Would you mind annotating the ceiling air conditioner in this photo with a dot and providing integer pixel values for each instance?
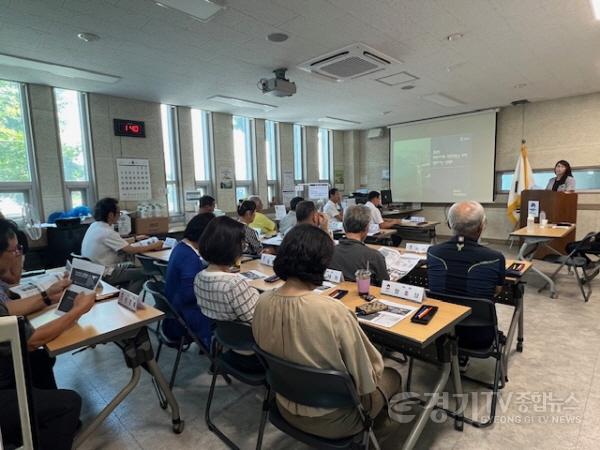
(353, 61)
(375, 133)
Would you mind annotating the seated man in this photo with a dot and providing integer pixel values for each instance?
(289, 220)
(57, 410)
(352, 254)
(206, 204)
(461, 266)
(333, 208)
(103, 245)
(306, 213)
(376, 217)
(261, 222)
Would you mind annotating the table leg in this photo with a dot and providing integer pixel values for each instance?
(91, 427)
(514, 324)
(520, 331)
(152, 367)
(521, 257)
(417, 428)
(458, 391)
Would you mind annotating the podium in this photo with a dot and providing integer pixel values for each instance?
(559, 207)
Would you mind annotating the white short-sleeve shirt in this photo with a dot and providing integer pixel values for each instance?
(375, 213)
(102, 243)
(331, 209)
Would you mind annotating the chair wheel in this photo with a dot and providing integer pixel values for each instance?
(554, 295)
(178, 426)
(164, 405)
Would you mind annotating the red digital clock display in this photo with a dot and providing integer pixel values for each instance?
(131, 128)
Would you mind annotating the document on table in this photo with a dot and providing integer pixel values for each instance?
(399, 264)
(393, 315)
(326, 285)
(276, 241)
(253, 275)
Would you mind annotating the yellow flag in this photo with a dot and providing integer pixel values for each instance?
(522, 179)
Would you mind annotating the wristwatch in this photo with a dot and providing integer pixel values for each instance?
(46, 299)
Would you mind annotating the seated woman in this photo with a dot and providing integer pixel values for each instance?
(247, 213)
(303, 327)
(184, 265)
(222, 295)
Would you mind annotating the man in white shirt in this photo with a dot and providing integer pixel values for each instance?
(376, 218)
(333, 208)
(288, 222)
(103, 245)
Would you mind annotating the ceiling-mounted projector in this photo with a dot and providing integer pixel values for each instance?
(279, 86)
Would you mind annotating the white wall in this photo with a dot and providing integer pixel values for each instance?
(556, 129)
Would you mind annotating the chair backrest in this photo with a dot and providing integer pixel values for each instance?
(161, 267)
(483, 311)
(585, 242)
(157, 290)
(74, 255)
(317, 388)
(234, 335)
(148, 265)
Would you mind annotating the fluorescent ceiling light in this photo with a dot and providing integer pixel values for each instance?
(443, 100)
(596, 8)
(337, 120)
(241, 103)
(202, 10)
(56, 69)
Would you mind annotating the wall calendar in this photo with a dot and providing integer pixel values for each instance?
(134, 179)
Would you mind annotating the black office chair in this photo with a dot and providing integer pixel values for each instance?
(483, 315)
(318, 388)
(151, 272)
(234, 336)
(157, 290)
(162, 268)
(577, 264)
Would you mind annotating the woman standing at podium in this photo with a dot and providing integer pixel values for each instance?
(563, 181)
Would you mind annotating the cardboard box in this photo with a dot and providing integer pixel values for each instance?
(151, 225)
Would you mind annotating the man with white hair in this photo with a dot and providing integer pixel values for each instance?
(462, 266)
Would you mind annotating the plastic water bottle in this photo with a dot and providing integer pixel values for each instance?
(124, 224)
(530, 223)
(543, 221)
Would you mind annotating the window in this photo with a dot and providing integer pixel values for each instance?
(73, 130)
(243, 151)
(272, 158)
(171, 154)
(585, 179)
(299, 153)
(203, 150)
(16, 152)
(324, 155)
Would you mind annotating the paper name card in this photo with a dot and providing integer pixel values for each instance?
(267, 259)
(405, 291)
(129, 300)
(417, 219)
(170, 242)
(334, 276)
(418, 248)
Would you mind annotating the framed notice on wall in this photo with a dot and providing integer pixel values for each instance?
(134, 179)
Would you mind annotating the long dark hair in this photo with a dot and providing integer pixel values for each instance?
(568, 172)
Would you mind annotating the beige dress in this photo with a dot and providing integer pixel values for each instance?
(318, 331)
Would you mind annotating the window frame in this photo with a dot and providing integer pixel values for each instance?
(250, 185)
(302, 147)
(88, 188)
(273, 184)
(30, 189)
(498, 178)
(328, 158)
(175, 150)
(206, 187)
